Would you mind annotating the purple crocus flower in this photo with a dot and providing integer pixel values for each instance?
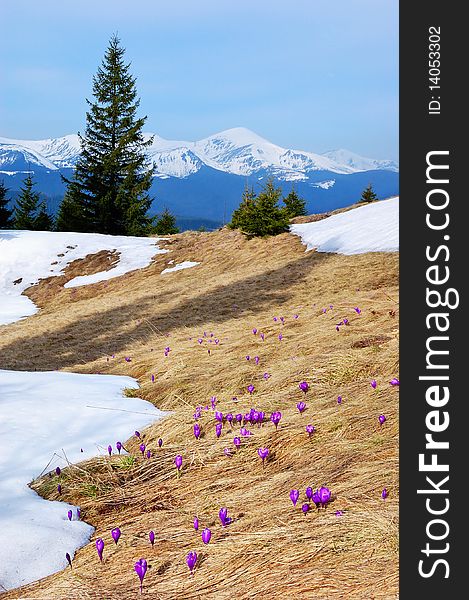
(219, 416)
(229, 418)
(148, 454)
(151, 537)
(384, 494)
(59, 488)
(142, 449)
(128, 359)
(100, 548)
(254, 330)
(260, 418)
(153, 379)
(282, 319)
(244, 432)
(357, 310)
(280, 336)
(196, 523)
(381, 419)
(324, 310)
(324, 495)
(137, 434)
(263, 454)
(160, 442)
(301, 406)
(239, 417)
(141, 568)
(251, 388)
(217, 341)
(339, 399)
(305, 507)
(345, 321)
(339, 513)
(197, 431)
(109, 449)
(296, 316)
(191, 560)
(58, 471)
(262, 336)
(69, 560)
(178, 462)
(294, 495)
(256, 360)
(116, 533)
(248, 357)
(218, 428)
(304, 386)
(316, 498)
(310, 429)
(223, 515)
(275, 319)
(373, 383)
(119, 447)
(337, 328)
(200, 340)
(213, 401)
(309, 492)
(227, 451)
(69, 514)
(275, 418)
(206, 535)
(266, 376)
(394, 381)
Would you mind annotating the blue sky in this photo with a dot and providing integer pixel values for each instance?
(308, 74)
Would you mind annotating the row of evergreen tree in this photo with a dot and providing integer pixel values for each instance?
(30, 213)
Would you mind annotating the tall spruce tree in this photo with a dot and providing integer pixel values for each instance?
(28, 206)
(109, 190)
(294, 205)
(6, 215)
(368, 195)
(166, 224)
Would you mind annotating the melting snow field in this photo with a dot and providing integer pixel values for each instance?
(27, 256)
(370, 228)
(43, 415)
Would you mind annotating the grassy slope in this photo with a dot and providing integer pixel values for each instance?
(271, 550)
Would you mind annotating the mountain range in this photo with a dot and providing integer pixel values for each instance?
(202, 182)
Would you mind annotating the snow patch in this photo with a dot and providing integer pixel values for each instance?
(370, 228)
(27, 256)
(43, 415)
(184, 265)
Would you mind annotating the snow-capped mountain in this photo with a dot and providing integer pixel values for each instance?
(360, 163)
(202, 182)
(238, 151)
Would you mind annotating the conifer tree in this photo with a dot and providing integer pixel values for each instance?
(30, 211)
(368, 195)
(166, 224)
(6, 220)
(294, 205)
(243, 215)
(261, 215)
(109, 190)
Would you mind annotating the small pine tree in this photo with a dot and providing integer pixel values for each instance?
(43, 220)
(294, 205)
(6, 219)
(27, 206)
(165, 224)
(70, 216)
(243, 215)
(368, 195)
(261, 215)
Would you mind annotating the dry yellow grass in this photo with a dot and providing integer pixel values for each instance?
(271, 550)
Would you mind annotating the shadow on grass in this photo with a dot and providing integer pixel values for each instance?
(106, 332)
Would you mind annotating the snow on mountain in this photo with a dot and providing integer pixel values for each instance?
(238, 151)
(360, 163)
(370, 228)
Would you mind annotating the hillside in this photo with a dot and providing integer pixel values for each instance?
(349, 549)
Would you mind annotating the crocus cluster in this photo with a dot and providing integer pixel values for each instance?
(320, 497)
